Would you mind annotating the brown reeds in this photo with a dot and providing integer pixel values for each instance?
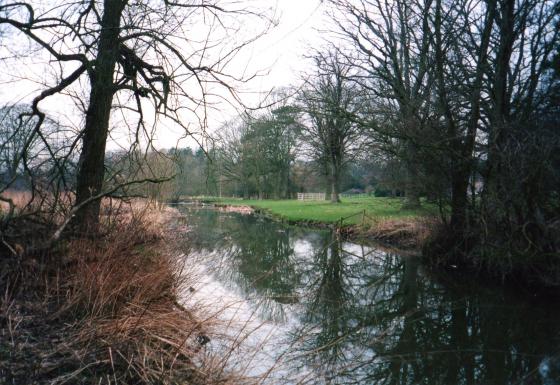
(406, 233)
(104, 311)
(17, 197)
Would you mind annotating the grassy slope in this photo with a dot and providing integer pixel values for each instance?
(326, 212)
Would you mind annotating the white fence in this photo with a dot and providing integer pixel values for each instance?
(311, 196)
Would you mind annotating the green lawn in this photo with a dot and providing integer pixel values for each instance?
(320, 211)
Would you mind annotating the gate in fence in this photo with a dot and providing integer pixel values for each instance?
(311, 196)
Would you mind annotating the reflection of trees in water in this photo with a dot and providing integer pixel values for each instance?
(370, 317)
(327, 302)
(332, 340)
(376, 319)
(259, 261)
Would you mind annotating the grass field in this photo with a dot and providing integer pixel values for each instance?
(350, 210)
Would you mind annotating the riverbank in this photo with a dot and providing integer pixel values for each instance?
(381, 220)
(378, 219)
(104, 310)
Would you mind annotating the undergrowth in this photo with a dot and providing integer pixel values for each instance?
(508, 258)
(102, 311)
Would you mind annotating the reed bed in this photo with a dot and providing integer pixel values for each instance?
(406, 233)
(106, 311)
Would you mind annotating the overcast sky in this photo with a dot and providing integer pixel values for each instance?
(279, 54)
(284, 47)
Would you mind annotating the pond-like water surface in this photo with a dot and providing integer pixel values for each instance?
(324, 311)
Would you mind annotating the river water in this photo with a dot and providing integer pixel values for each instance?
(304, 306)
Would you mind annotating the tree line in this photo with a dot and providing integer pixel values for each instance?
(459, 99)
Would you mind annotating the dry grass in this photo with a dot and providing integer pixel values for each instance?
(41, 200)
(19, 199)
(104, 311)
(407, 233)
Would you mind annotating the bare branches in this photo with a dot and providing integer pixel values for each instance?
(148, 56)
(330, 100)
(450, 84)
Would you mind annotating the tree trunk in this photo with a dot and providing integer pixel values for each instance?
(335, 176)
(412, 193)
(461, 165)
(500, 101)
(334, 192)
(459, 200)
(328, 184)
(259, 189)
(411, 200)
(462, 147)
(91, 167)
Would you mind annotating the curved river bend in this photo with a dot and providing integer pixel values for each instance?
(302, 306)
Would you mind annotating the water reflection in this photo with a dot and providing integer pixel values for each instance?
(364, 316)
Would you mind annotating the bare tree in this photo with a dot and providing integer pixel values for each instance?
(156, 57)
(458, 74)
(489, 66)
(29, 161)
(391, 46)
(330, 100)
(230, 154)
(453, 71)
(467, 88)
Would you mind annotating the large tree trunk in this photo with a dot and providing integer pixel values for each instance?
(412, 193)
(462, 146)
(335, 183)
(461, 169)
(459, 199)
(412, 190)
(327, 180)
(92, 158)
(287, 192)
(335, 195)
(412, 181)
(501, 102)
(260, 194)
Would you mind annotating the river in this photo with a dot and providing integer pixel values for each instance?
(304, 306)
